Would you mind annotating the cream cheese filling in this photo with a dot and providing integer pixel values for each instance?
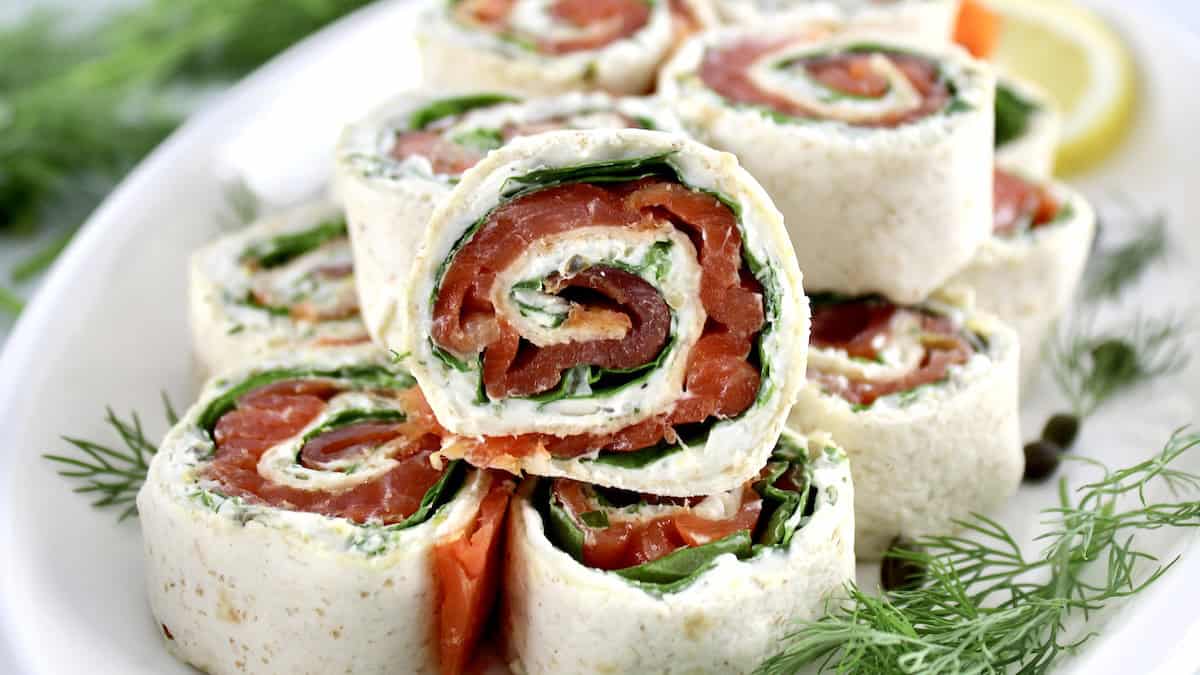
(715, 507)
(544, 318)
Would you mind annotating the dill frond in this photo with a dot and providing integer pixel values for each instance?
(113, 474)
(1093, 365)
(986, 607)
(1111, 271)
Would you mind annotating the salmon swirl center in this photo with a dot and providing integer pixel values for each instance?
(556, 27)
(577, 291)
(857, 84)
(323, 446)
(868, 348)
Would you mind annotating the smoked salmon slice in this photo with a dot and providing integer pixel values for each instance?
(444, 155)
(467, 569)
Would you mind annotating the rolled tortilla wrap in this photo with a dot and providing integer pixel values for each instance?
(743, 567)
(877, 152)
(395, 166)
(924, 400)
(285, 282)
(1028, 124)
(928, 21)
(1028, 271)
(293, 522)
(540, 47)
(620, 307)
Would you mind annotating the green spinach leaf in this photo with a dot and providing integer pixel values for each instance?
(457, 105)
(282, 249)
(1012, 115)
(685, 563)
(366, 377)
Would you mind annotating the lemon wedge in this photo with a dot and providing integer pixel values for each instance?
(1085, 66)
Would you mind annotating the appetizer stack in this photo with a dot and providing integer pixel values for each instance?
(543, 352)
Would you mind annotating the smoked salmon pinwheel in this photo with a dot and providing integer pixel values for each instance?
(283, 283)
(539, 47)
(1028, 271)
(296, 521)
(399, 163)
(705, 584)
(924, 400)
(929, 21)
(878, 152)
(1028, 124)
(619, 307)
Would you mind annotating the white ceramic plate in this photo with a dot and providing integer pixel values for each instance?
(109, 328)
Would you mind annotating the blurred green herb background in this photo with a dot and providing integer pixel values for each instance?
(83, 99)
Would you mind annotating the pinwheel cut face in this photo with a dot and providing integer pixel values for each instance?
(1021, 205)
(315, 445)
(860, 85)
(536, 330)
(355, 442)
(306, 275)
(456, 143)
(313, 287)
(866, 349)
(556, 26)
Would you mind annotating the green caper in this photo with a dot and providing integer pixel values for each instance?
(1117, 359)
(898, 573)
(1041, 460)
(1061, 430)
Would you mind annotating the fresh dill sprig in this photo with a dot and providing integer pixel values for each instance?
(1111, 271)
(80, 104)
(985, 607)
(114, 476)
(1092, 365)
